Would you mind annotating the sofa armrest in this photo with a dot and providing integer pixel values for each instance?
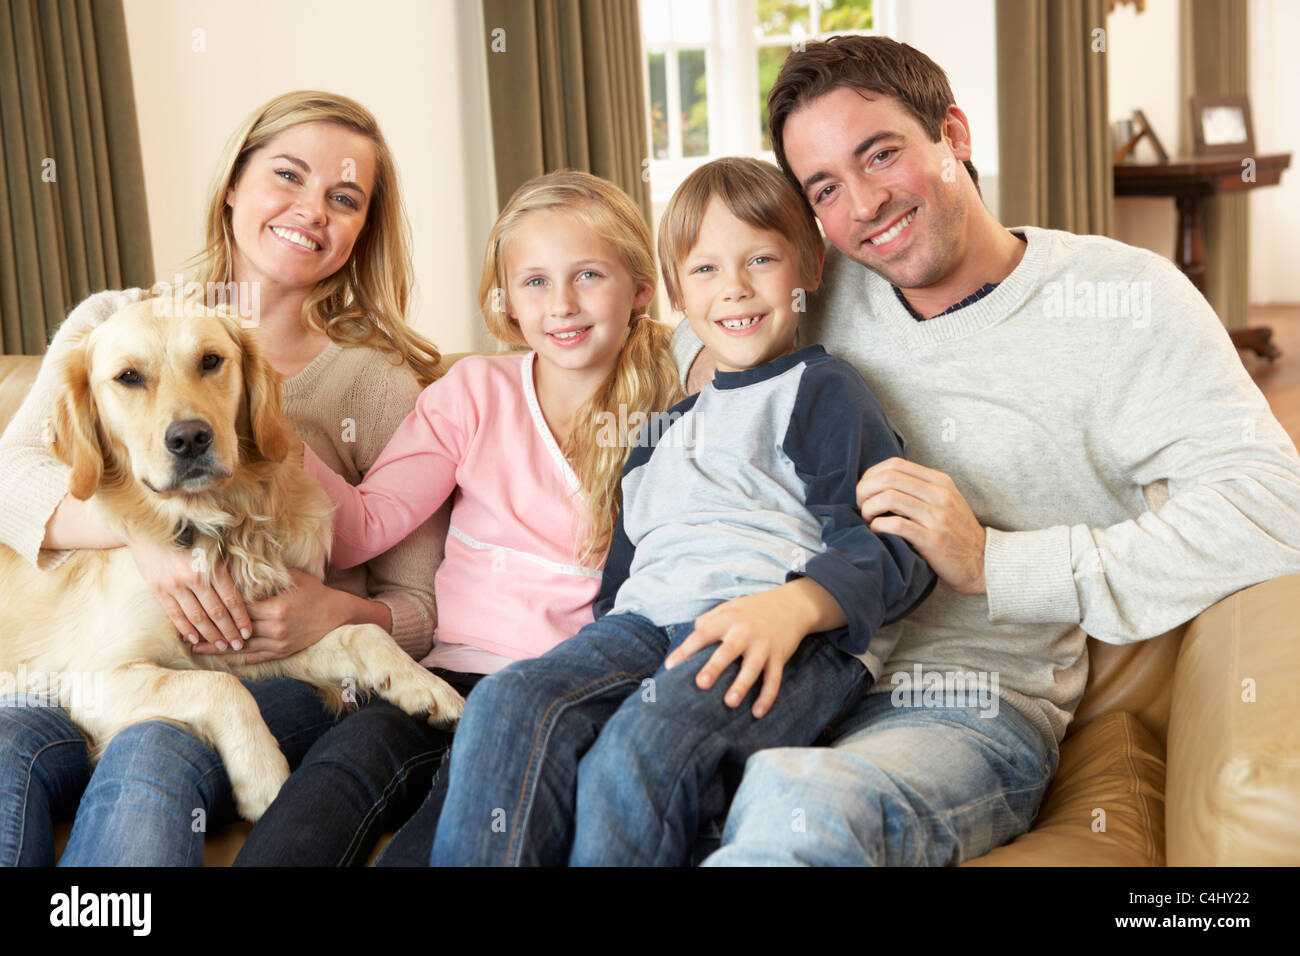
(1233, 786)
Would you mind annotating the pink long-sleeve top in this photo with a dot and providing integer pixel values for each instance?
(510, 583)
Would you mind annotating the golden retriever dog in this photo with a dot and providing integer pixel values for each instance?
(172, 428)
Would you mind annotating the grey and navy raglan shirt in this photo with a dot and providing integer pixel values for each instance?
(752, 483)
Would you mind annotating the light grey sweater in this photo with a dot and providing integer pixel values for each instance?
(1094, 413)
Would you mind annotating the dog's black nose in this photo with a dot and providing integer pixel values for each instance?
(188, 439)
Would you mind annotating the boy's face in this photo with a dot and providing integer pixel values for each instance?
(738, 287)
(886, 195)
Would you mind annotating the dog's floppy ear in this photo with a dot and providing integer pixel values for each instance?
(262, 393)
(75, 441)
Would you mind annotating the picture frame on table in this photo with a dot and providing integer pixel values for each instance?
(1221, 125)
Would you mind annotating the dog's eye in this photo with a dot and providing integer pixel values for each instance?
(211, 361)
(130, 377)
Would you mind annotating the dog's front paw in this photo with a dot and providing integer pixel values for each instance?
(257, 780)
(420, 693)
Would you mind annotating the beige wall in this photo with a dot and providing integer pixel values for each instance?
(1142, 56)
(417, 64)
(1274, 223)
(962, 39)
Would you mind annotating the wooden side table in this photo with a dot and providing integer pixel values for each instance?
(1190, 181)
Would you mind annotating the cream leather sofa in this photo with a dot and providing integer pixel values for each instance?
(1184, 751)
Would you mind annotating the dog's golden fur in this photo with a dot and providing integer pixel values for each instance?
(234, 494)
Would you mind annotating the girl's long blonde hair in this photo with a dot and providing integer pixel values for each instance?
(364, 302)
(643, 380)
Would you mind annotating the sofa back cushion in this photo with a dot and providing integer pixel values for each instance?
(17, 373)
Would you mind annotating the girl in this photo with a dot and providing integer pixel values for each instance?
(305, 209)
(523, 440)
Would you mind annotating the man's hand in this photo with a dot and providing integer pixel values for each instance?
(765, 629)
(930, 514)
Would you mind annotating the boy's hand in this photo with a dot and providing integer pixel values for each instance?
(765, 629)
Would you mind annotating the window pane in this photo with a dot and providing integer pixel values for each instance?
(658, 106)
(695, 102)
(779, 18)
(656, 27)
(770, 59)
(836, 16)
(691, 21)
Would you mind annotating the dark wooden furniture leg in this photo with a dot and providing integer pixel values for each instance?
(1191, 259)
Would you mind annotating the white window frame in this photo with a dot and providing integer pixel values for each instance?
(732, 76)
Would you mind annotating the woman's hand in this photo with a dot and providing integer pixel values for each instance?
(292, 620)
(212, 611)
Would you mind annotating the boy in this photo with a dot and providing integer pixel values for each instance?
(740, 527)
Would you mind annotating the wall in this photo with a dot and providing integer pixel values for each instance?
(962, 38)
(417, 64)
(1142, 55)
(1274, 224)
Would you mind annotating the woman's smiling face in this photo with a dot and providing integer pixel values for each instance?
(299, 205)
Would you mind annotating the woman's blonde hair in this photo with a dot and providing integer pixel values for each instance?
(365, 301)
(643, 380)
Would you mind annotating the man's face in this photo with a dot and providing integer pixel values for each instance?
(886, 195)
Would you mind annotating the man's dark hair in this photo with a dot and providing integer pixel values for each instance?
(873, 63)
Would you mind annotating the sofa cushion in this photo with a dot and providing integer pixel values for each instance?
(17, 373)
(1234, 733)
(1111, 775)
(1133, 678)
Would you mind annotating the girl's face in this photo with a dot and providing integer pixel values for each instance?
(299, 205)
(569, 291)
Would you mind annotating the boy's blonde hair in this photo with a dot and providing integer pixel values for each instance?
(365, 301)
(754, 192)
(643, 380)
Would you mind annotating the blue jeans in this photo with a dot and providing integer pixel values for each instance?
(44, 766)
(412, 844)
(363, 777)
(901, 786)
(596, 754)
(152, 796)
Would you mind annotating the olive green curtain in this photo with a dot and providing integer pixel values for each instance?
(565, 82)
(1053, 134)
(73, 218)
(1215, 56)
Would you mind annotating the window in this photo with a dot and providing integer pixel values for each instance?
(782, 25)
(710, 64)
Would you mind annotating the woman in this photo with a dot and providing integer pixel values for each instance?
(305, 218)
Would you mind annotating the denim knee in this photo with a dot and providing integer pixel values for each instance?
(44, 766)
(377, 743)
(29, 723)
(805, 806)
(167, 760)
(510, 696)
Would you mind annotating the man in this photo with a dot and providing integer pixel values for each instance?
(1087, 457)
